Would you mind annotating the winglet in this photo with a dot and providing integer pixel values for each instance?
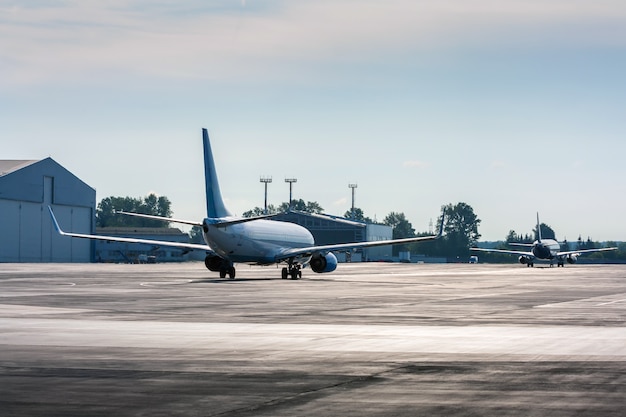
(443, 219)
(55, 223)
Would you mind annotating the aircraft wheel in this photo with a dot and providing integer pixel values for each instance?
(285, 273)
(231, 272)
(296, 274)
(222, 273)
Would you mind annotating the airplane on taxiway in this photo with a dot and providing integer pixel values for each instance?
(255, 240)
(547, 249)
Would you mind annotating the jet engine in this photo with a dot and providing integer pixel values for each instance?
(523, 260)
(213, 263)
(323, 263)
(571, 259)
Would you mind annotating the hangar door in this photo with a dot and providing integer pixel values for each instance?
(28, 235)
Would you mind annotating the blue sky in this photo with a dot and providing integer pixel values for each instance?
(512, 107)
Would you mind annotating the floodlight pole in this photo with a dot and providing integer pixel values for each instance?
(265, 180)
(290, 181)
(353, 187)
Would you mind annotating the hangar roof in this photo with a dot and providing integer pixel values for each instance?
(8, 166)
(23, 180)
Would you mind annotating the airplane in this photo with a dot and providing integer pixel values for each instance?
(548, 249)
(253, 240)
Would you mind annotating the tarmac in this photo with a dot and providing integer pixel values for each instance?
(371, 339)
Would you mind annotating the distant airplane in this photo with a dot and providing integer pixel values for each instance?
(255, 240)
(548, 249)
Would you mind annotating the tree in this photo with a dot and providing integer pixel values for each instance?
(296, 205)
(358, 215)
(546, 232)
(151, 204)
(513, 237)
(401, 228)
(301, 205)
(258, 211)
(461, 230)
(195, 235)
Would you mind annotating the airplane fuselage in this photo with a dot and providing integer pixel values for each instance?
(256, 242)
(546, 249)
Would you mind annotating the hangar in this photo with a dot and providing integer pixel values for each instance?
(327, 230)
(27, 187)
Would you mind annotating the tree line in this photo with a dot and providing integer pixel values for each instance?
(460, 227)
(151, 204)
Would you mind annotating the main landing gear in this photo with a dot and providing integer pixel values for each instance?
(230, 271)
(293, 271)
(217, 264)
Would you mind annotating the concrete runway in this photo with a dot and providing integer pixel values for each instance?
(365, 340)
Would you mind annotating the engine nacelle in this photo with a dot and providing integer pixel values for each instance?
(571, 259)
(327, 263)
(213, 263)
(523, 260)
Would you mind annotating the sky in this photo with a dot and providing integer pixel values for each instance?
(513, 107)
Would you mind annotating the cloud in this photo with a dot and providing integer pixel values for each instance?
(498, 164)
(416, 164)
(76, 40)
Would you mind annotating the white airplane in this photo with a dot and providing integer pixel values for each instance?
(548, 249)
(255, 241)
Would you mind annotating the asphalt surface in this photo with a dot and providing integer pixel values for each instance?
(365, 340)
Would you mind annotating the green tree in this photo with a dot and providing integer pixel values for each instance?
(296, 205)
(195, 235)
(546, 232)
(402, 228)
(301, 205)
(358, 215)
(258, 211)
(151, 204)
(460, 229)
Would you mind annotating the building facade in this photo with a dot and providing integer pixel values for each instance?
(327, 230)
(27, 188)
(123, 252)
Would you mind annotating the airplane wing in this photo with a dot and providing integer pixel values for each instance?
(510, 252)
(165, 219)
(289, 253)
(128, 239)
(218, 223)
(578, 252)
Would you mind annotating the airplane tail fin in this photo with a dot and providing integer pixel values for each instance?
(215, 207)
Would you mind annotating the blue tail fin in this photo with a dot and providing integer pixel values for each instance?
(214, 204)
